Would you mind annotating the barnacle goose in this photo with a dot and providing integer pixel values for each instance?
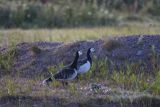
(84, 65)
(67, 73)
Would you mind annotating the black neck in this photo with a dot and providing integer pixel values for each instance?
(89, 57)
(74, 63)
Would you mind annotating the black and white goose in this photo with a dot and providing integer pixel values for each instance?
(67, 73)
(85, 65)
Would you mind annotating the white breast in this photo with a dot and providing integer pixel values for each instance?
(84, 68)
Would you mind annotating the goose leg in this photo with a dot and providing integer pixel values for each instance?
(64, 83)
(77, 77)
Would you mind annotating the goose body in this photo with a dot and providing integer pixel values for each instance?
(83, 68)
(85, 65)
(67, 73)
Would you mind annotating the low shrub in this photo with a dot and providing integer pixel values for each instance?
(6, 60)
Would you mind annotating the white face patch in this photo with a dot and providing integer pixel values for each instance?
(92, 49)
(80, 53)
(84, 68)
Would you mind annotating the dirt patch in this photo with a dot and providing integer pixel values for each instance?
(33, 59)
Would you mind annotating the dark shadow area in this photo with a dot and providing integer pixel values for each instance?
(27, 101)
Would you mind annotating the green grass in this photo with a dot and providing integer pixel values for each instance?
(118, 81)
(121, 87)
(7, 58)
(156, 85)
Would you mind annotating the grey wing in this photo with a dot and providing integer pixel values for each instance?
(64, 74)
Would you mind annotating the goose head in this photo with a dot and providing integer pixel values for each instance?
(91, 50)
(79, 53)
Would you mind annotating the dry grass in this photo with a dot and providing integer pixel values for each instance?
(14, 36)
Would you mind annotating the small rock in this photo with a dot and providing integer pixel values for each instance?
(95, 87)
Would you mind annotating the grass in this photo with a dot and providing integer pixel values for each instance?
(121, 87)
(118, 81)
(132, 79)
(15, 36)
(113, 86)
(156, 85)
(6, 59)
(129, 80)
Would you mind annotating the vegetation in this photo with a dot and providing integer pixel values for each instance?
(6, 60)
(14, 36)
(75, 13)
(126, 80)
(93, 19)
(111, 44)
(98, 82)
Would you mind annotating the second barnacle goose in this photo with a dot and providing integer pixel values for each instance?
(85, 65)
(67, 73)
